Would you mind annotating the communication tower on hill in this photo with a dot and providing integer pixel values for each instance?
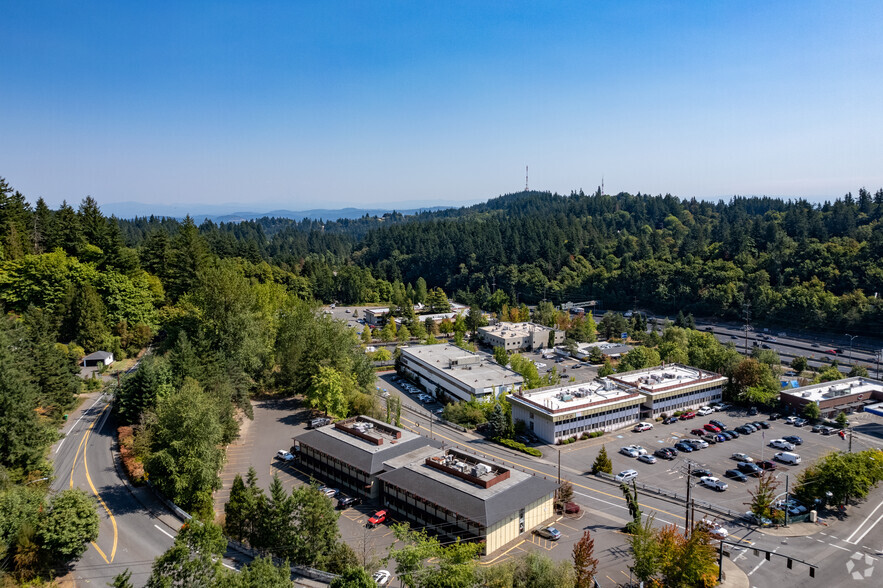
(525, 178)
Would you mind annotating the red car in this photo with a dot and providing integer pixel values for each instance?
(688, 415)
(712, 428)
(832, 352)
(699, 432)
(379, 517)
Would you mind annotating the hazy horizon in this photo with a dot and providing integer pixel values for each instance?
(297, 106)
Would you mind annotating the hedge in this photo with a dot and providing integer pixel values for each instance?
(519, 447)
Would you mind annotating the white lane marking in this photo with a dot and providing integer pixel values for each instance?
(838, 547)
(78, 420)
(761, 562)
(862, 536)
(163, 531)
(868, 518)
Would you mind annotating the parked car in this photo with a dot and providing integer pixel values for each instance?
(700, 432)
(817, 428)
(284, 455)
(718, 437)
(688, 415)
(752, 411)
(714, 483)
(348, 501)
(790, 420)
(781, 444)
(670, 420)
(762, 424)
(775, 416)
(736, 475)
(711, 428)
(735, 434)
(647, 459)
(742, 457)
(664, 453)
(550, 533)
(673, 450)
(767, 465)
(626, 476)
(728, 435)
(639, 449)
(787, 458)
(697, 443)
(756, 520)
(319, 422)
(750, 469)
(329, 492)
(378, 518)
(793, 439)
(571, 508)
(705, 410)
(701, 472)
(800, 422)
(684, 447)
(722, 407)
(718, 424)
(629, 452)
(709, 438)
(381, 577)
(643, 427)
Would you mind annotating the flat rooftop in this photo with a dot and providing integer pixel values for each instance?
(473, 370)
(830, 390)
(513, 330)
(452, 491)
(665, 378)
(577, 397)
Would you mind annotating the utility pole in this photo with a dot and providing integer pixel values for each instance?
(559, 467)
(687, 514)
(747, 309)
(850, 440)
(786, 499)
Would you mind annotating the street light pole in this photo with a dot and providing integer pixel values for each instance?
(851, 339)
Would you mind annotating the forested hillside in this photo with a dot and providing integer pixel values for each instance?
(788, 261)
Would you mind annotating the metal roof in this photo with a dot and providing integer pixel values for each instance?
(357, 453)
(99, 355)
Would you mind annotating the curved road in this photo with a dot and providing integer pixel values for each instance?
(130, 534)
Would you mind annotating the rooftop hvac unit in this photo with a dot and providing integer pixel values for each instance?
(482, 469)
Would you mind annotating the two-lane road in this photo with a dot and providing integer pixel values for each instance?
(129, 536)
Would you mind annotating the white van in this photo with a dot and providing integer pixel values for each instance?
(787, 457)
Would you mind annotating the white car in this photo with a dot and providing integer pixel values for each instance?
(781, 444)
(540, 364)
(713, 482)
(697, 443)
(381, 577)
(716, 530)
(704, 411)
(329, 492)
(629, 451)
(626, 476)
(639, 449)
(790, 420)
(284, 455)
(643, 427)
(743, 457)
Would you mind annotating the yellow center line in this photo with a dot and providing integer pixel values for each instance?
(92, 486)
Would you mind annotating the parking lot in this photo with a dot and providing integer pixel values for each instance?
(672, 474)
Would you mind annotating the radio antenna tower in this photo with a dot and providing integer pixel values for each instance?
(525, 178)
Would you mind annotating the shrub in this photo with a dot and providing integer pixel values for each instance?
(511, 443)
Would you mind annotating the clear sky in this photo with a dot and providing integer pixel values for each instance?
(320, 104)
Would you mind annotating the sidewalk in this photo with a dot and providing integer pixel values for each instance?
(792, 530)
(734, 577)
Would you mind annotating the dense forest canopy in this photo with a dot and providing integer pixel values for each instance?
(787, 261)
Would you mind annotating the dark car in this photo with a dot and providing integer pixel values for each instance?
(685, 447)
(348, 501)
(735, 434)
(775, 416)
(664, 453)
(718, 424)
(751, 427)
(750, 469)
(793, 439)
(670, 420)
(701, 472)
(743, 430)
(752, 411)
(767, 465)
(673, 450)
(736, 475)
(719, 438)
(699, 432)
(761, 424)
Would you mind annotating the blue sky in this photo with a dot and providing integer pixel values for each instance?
(324, 104)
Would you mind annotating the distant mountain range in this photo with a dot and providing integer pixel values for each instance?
(233, 213)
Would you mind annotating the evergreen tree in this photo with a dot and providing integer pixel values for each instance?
(90, 319)
(602, 462)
